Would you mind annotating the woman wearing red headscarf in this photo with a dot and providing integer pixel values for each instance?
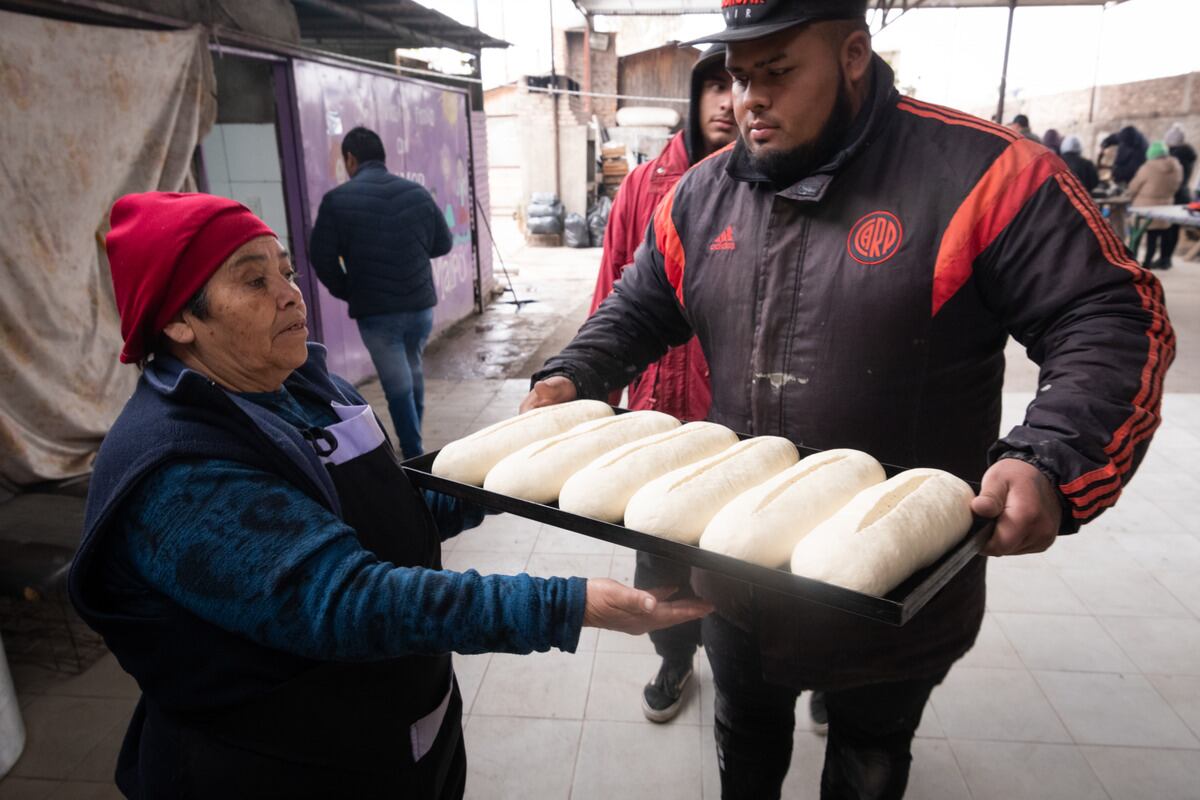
(256, 559)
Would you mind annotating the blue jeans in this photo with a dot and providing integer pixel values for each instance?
(396, 342)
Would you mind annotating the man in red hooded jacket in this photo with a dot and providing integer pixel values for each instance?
(678, 383)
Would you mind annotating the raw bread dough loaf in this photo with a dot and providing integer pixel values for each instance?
(602, 489)
(764, 524)
(537, 472)
(887, 532)
(679, 504)
(468, 460)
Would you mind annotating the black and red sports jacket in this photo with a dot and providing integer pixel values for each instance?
(868, 306)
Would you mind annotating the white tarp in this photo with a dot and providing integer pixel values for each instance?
(87, 114)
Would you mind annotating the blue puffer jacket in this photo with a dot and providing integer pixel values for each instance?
(385, 229)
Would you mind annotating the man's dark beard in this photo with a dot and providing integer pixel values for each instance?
(789, 166)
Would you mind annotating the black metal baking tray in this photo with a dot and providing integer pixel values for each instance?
(897, 608)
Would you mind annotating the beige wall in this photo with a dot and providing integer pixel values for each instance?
(505, 153)
(522, 151)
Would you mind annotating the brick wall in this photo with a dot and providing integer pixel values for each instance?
(1152, 106)
(537, 153)
(604, 80)
(533, 113)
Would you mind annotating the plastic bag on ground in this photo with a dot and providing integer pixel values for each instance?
(575, 231)
(544, 225)
(597, 220)
(544, 210)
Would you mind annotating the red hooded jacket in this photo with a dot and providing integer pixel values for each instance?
(677, 384)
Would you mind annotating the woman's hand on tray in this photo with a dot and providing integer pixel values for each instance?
(555, 389)
(1024, 504)
(621, 608)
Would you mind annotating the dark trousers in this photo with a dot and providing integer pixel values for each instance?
(1164, 238)
(869, 747)
(163, 759)
(1170, 241)
(680, 642)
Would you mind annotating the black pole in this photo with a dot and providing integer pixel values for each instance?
(554, 83)
(1012, 8)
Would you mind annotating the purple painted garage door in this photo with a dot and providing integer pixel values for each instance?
(427, 136)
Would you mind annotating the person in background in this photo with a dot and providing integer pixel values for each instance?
(1084, 169)
(371, 246)
(1156, 184)
(1052, 140)
(255, 557)
(1182, 152)
(1106, 157)
(1131, 153)
(1020, 124)
(677, 384)
(886, 249)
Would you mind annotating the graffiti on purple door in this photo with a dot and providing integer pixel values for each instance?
(426, 134)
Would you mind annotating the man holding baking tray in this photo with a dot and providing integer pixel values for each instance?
(880, 252)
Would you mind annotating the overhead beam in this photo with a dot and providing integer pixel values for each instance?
(885, 7)
(422, 31)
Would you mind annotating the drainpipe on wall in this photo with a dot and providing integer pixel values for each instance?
(554, 83)
(475, 103)
(587, 63)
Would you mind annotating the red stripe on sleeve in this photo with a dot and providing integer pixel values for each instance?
(1094, 491)
(952, 117)
(667, 240)
(1003, 190)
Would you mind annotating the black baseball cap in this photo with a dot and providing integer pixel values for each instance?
(754, 19)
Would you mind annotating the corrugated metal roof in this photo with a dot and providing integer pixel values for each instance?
(349, 25)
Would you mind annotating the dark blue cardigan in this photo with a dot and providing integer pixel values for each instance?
(187, 662)
(385, 229)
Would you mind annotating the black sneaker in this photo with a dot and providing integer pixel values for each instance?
(663, 697)
(818, 714)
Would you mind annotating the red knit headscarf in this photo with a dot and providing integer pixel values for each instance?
(163, 247)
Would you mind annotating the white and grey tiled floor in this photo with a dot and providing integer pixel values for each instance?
(1085, 682)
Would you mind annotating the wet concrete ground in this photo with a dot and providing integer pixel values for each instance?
(551, 290)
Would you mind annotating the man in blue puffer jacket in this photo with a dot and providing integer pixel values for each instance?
(371, 246)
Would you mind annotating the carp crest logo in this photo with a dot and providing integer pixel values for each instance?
(875, 238)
